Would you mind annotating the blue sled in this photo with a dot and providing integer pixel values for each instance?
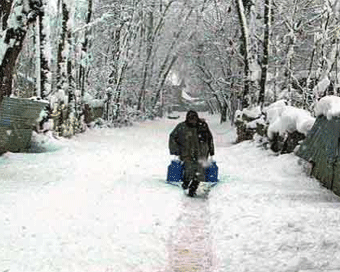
(176, 170)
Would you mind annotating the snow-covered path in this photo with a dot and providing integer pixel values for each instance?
(100, 204)
(190, 241)
(269, 216)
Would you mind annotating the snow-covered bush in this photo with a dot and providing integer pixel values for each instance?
(274, 110)
(321, 87)
(291, 119)
(287, 126)
(93, 102)
(328, 106)
(44, 143)
(248, 121)
(278, 124)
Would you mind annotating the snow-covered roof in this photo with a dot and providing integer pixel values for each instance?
(187, 97)
(92, 102)
(328, 106)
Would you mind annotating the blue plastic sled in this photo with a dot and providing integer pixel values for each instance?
(176, 170)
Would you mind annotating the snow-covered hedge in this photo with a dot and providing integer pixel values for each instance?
(329, 106)
(287, 126)
(281, 125)
(248, 122)
(285, 119)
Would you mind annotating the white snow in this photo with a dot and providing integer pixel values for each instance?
(328, 106)
(98, 202)
(291, 119)
(283, 119)
(254, 112)
(173, 78)
(253, 124)
(274, 110)
(187, 97)
(88, 99)
(321, 87)
(255, 71)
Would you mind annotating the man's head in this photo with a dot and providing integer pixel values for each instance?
(191, 118)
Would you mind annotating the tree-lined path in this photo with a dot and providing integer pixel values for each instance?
(100, 203)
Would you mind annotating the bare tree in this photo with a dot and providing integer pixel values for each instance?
(246, 53)
(12, 37)
(152, 33)
(265, 58)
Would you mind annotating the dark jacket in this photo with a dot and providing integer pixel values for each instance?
(191, 142)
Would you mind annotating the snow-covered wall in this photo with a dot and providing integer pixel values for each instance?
(279, 117)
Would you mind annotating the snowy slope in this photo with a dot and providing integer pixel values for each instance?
(99, 203)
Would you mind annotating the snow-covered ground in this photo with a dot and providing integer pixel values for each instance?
(99, 202)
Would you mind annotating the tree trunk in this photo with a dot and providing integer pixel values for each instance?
(224, 113)
(264, 68)
(15, 30)
(45, 69)
(307, 91)
(5, 10)
(61, 65)
(38, 62)
(337, 89)
(82, 69)
(245, 37)
(149, 47)
(70, 79)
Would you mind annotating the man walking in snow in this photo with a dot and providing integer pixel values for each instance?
(192, 142)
